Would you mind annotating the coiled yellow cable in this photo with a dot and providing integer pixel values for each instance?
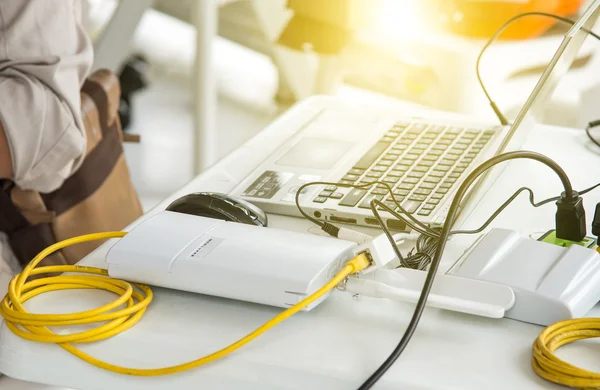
(548, 366)
(136, 298)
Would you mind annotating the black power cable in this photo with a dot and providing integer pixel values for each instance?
(445, 233)
(431, 232)
(589, 189)
(410, 220)
(494, 37)
(429, 239)
(420, 259)
(505, 205)
(509, 201)
(588, 129)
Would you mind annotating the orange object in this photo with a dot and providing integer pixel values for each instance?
(477, 18)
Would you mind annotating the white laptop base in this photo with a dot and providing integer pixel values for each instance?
(340, 142)
(422, 159)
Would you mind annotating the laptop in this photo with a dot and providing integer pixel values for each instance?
(423, 158)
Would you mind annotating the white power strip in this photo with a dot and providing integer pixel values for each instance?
(551, 283)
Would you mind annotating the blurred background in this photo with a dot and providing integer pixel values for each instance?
(200, 77)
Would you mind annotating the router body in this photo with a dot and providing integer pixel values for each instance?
(227, 259)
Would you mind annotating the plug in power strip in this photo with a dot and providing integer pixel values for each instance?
(550, 238)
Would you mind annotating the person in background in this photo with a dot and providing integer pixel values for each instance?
(45, 56)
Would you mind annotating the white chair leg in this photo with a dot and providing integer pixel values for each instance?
(205, 89)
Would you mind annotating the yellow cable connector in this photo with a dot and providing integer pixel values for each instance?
(135, 296)
(548, 366)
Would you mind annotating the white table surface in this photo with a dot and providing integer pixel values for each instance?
(341, 342)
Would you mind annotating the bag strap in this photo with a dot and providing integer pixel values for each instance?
(11, 219)
(25, 239)
(97, 165)
(95, 91)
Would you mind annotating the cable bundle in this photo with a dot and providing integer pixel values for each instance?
(548, 366)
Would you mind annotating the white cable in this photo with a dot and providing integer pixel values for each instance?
(353, 235)
(401, 237)
(361, 238)
(376, 289)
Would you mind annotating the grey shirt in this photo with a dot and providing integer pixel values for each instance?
(45, 55)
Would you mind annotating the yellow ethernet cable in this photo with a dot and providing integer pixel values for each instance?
(548, 366)
(135, 296)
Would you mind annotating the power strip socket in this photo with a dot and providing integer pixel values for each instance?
(550, 238)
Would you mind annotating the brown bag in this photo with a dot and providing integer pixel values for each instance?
(98, 197)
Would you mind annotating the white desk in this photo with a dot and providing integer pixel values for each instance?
(342, 341)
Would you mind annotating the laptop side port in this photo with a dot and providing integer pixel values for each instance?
(333, 218)
(395, 224)
(371, 221)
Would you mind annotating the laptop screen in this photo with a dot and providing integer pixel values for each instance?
(558, 66)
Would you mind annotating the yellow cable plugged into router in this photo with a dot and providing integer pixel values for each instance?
(135, 296)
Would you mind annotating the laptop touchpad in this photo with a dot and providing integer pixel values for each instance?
(315, 153)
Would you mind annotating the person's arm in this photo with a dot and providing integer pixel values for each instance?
(45, 56)
(5, 161)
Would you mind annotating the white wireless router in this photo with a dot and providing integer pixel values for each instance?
(278, 267)
(227, 259)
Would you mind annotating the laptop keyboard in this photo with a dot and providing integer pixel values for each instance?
(421, 162)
